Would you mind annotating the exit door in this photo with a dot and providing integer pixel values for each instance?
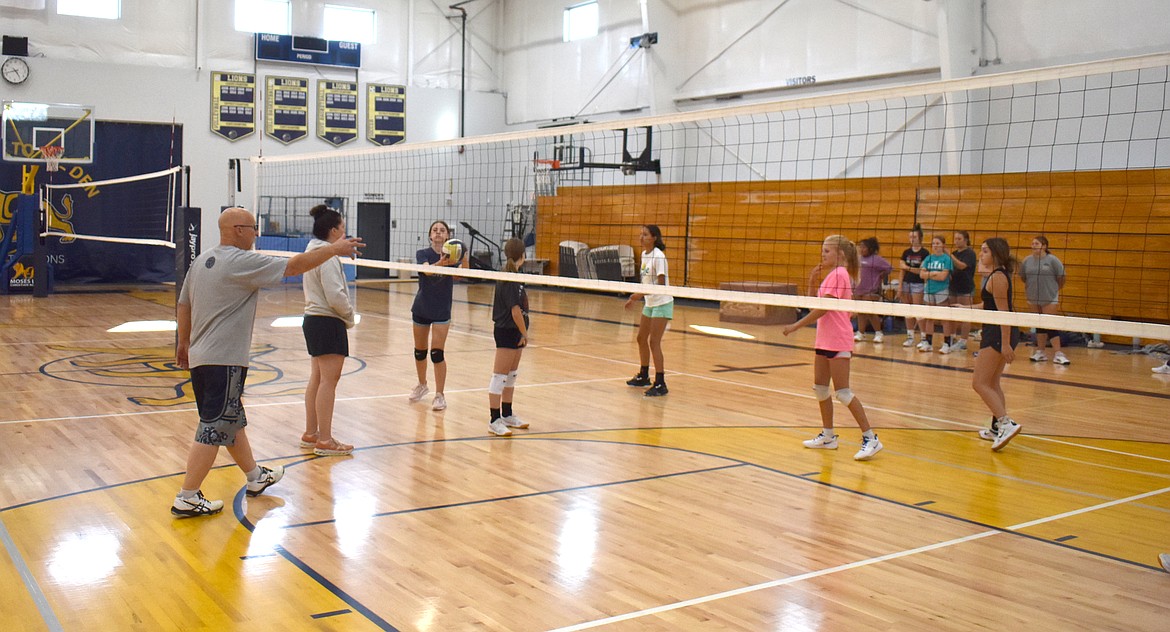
(373, 226)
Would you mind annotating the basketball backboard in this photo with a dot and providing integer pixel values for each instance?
(30, 126)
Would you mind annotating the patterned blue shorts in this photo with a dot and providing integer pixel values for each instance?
(218, 390)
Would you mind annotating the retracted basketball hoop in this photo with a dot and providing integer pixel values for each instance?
(52, 155)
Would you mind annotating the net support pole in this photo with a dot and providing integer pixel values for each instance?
(42, 269)
(188, 225)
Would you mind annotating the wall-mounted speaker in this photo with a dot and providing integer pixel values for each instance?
(15, 46)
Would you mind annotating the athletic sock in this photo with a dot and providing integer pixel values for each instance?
(507, 409)
(869, 434)
(660, 378)
(254, 475)
(644, 371)
(187, 494)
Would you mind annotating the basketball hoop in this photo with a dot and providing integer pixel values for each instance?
(52, 156)
(550, 164)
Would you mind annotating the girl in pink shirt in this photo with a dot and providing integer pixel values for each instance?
(834, 345)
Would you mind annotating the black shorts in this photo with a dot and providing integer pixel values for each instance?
(507, 338)
(325, 335)
(833, 354)
(993, 338)
(218, 390)
(423, 321)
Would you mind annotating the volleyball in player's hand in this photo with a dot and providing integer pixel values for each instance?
(453, 248)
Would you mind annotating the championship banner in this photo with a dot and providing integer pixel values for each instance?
(286, 108)
(233, 104)
(385, 114)
(337, 111)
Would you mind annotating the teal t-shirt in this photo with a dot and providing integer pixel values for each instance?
(934, 263)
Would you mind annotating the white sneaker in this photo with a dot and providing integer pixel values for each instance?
(991, 432)
(1164, 369)
(1038, 356)
(878, 337)
(869, 447)
(440, 402)
(1060, 358)
(1007, 430)
(977, 334)
(1095, 344)
(195, 506)
(499, 429)
(268, 478)
(925, 347)
(821, 442)
(961, 345)
(512, 421)
(418, 392)
(945, 348)
(1164, 560)
(909, 341)
(858, 336)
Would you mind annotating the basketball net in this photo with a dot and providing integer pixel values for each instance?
(52, 156)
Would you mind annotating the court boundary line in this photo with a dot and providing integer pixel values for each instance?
(30, 582)
(1014, 530)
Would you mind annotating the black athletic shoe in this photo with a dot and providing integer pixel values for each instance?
(658, 390)
(639, 380)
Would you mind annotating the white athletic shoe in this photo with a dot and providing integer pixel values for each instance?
(197, 505)
(858, 336)
(1164, 369)
(1164, 560)
(1007, 430)
(440, 402)
(869, 447)
(1038, 356)
(499, 429)
(1095, 344)
(945, 348)
(821, 442)
(268, 478)
(418, 392)
(961, 345)
(878, 337)
(512, 421)
(909, 341)
(925, 347)
(1060, 358)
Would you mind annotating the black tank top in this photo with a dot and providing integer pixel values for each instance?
(989, 298)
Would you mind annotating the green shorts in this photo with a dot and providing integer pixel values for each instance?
(659, 311)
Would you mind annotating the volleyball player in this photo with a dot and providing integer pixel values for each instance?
(510, 314)
(328, 314)
(964, 259)
(656, 315)
(911, 286)
(431, 314)
(1043, 277)
(834, 346)
(997, 346)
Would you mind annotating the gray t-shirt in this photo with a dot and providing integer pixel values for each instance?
(222, 287)
(1042, 279)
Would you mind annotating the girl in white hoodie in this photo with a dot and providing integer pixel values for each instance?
(328, 314)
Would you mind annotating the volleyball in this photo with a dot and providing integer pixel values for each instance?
(453, 248)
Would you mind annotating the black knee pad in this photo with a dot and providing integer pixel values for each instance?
(420, 354)
(436, 355)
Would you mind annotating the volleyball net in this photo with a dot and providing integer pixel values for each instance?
(745, 195)
(137, 210)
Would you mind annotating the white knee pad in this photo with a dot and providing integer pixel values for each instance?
(845, 396)
(496, 386)
(510, 382)
(823, 392)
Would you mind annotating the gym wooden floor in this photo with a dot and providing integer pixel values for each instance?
(699, 510)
